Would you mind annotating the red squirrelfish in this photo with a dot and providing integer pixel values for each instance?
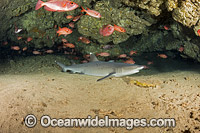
(122, 56)
(198, 32)
(166, 27)
(181, 49)
(132, 52)
(24, 49)
(15, 48)
(5, 43)
(92, 13)
(76, 18)
(162, 56)
(29, 39)
(19, 38)
(71, 24)
(84, 61)
(118, 28)
(36, 52)
(64, 40)
(84, 40)
(69, 45)
(49, 51)
(69, 17)
(106, 30)
(130, 61)
(149, 62)
(64, 31)
(56, 5)
(104, 54)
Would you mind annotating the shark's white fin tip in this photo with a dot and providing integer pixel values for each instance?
(93, 57)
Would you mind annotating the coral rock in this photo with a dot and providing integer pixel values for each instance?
(188, 13)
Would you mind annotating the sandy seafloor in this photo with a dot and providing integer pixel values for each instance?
(35, 85)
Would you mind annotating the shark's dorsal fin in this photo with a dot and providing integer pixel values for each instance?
(93, 57)
(106, 76)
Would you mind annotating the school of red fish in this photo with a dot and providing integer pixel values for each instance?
(67, 5)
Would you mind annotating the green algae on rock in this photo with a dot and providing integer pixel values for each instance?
(191, 50)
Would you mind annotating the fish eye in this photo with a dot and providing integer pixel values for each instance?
(71, 2)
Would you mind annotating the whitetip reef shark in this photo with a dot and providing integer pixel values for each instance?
(102, 68)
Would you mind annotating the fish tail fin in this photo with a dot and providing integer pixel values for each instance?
(64, 68)
(115, 27)
(39, 4)
(83, 10)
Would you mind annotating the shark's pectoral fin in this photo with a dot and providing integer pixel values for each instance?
(106, 76)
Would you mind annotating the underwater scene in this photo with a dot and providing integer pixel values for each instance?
(99, 66)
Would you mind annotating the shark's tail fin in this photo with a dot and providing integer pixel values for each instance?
(64, 68)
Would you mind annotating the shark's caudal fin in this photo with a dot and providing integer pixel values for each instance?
(106, 76)
(64, 68)
(93, 57)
